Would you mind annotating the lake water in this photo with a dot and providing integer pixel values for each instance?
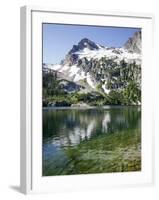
(96, 140)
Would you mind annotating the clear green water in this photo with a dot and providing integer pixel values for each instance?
(97, 140)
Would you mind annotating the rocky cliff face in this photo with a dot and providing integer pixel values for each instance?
(134, 43)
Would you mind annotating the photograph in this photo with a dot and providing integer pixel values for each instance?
(91, 99)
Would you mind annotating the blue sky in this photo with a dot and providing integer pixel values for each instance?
(58, 39)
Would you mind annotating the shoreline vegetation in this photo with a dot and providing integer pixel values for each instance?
(89, 100)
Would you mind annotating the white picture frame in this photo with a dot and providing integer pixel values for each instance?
(31, 102)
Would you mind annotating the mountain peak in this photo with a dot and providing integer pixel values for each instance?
(87, 43)
(84, 43)
(85, 40)
(71, 57)
(133, 44)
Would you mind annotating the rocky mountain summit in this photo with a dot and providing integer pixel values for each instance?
(134, 43)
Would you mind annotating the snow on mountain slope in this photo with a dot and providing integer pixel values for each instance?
(112, 53)
(75, 73)
(54, 67)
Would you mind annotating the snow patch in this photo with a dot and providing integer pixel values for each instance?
(89, 81)
(73, 70)
(105, 89)
(79, 76)
(54, 67)
(64, 68)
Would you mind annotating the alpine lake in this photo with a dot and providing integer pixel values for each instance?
(91, 140)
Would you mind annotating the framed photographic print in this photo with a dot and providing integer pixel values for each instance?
(86, 100)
